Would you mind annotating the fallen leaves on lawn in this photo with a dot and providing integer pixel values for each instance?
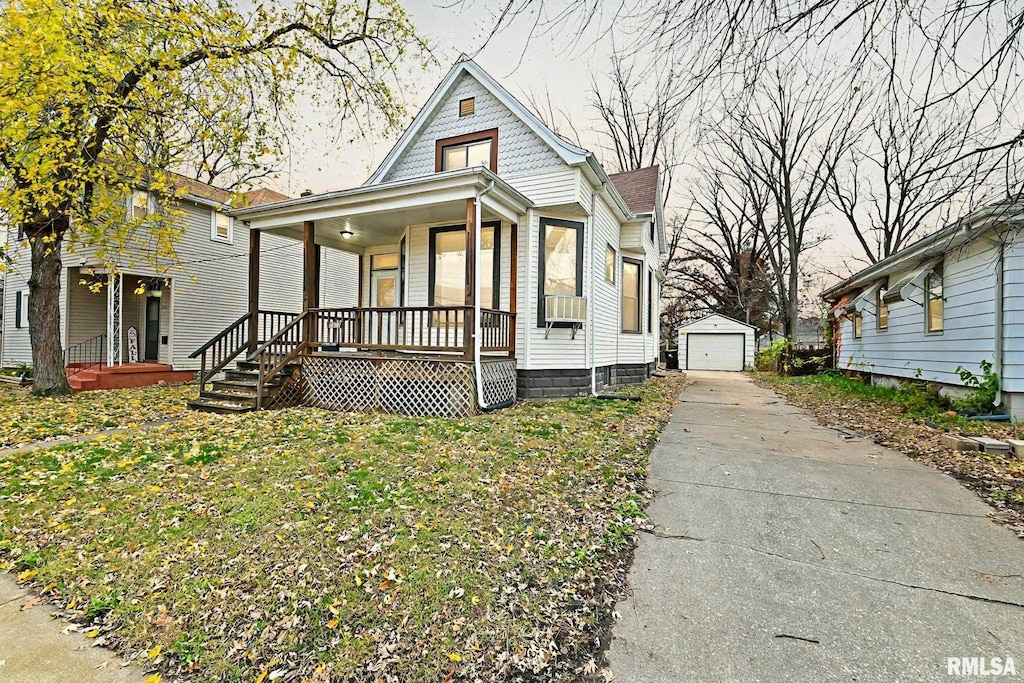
(25, 418)
(306, 544)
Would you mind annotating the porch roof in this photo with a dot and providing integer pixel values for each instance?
(378, 214)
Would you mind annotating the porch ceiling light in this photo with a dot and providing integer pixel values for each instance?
(346, 234)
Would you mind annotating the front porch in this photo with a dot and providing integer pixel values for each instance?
(433, 331)
(131, 309)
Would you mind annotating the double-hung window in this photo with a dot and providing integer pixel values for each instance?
(138, 207)
(221, 227)
(933, 300)
(650, 301)
(610, 261)
(858, 325)
(561, 262)
(881, 310)
(631, 284)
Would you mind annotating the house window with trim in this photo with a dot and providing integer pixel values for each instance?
(933, 300)
(858, 325)
(882, 310)
(631, 295)
(466, 151)
(139, 205)
(561, 262)
(650, 301)
(21, 310)
(447, 270)
(222, 228)
(610, 259)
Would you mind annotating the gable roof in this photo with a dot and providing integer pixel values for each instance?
(951, 237)
(638, 188)
(568, 152)
(262, 196)
(716, 315)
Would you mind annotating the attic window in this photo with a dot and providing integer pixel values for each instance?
(466, 151)
(467, 106)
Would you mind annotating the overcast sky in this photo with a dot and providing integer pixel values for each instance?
(532, 67)
(522, 64)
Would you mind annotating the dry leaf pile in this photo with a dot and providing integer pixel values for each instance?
(838, 401)
(25, 418)
(310, 545)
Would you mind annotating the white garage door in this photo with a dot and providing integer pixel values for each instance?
(714, 351)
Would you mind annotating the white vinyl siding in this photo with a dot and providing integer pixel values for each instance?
(906, 350)
(520, 150)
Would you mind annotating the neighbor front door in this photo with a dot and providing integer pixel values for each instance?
(152, 328)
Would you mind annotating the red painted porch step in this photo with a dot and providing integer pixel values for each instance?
(130, 375)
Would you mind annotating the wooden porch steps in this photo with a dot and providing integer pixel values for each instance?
(238, 390)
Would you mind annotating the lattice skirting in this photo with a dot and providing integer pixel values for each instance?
(499, 381)
(403, 386)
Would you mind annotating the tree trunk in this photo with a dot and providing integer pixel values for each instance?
(49, 377)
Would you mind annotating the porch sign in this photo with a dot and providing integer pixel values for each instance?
(133, 345)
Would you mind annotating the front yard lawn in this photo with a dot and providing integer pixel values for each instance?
(309, 545)
(898, 418)
(25, 418)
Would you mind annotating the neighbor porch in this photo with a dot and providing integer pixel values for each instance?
(118, 331)
(433, 328)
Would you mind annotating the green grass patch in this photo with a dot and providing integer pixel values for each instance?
(331, 546)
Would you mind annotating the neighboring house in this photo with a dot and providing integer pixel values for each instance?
(953, 299)
(496, 260)
(157, 316)
(716, 342)
(810, 334)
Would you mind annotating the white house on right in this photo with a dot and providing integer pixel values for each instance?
(952, 299)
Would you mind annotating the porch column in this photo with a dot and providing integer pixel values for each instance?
(513, 288)
(471, 293)
(115, 296)
(310, 281)
(254, 289)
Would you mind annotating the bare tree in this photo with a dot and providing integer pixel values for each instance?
(908, 173)
(786, 139)
(642, 109)
(721, 262)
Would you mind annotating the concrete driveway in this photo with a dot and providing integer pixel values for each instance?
(786, 551)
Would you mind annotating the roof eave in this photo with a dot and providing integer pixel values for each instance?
(478, 175)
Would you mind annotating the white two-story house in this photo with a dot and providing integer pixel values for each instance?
(495, 260)
(157, 311)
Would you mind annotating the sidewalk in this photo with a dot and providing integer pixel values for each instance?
(33, 648)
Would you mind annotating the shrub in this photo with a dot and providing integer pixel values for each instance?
(981, 398)
(768, 358)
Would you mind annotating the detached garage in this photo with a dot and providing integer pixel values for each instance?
(716, 343)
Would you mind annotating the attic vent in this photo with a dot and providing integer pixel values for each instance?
(467, 106)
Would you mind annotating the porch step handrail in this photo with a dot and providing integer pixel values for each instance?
(237, 337)
(85, 355)
(274, 355)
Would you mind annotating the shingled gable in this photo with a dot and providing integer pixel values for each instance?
(568, 152)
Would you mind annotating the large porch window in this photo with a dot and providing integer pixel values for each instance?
(447, 273)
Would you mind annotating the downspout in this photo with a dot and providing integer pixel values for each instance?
(999, 322)
(591, 319)
(477, 366)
